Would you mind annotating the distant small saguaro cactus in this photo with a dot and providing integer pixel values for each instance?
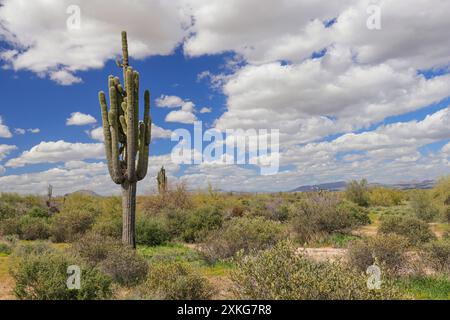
(127, 139)
(162, 181)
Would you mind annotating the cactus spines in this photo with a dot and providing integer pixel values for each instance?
(162, 181)
(126, 138)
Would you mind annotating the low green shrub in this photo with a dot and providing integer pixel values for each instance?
(385, 197)
(280, 273)
(388, 251)
(245, 234)
(415, 230)
(121, 263)
(175, 281)
(437, 254)
(34, 228)
(200, 222)
(358, 192)
(69, 225)
(109, 222)
(10, 226)
(325, 213)
(43, 276)
(422, 205)
(5, 248)
(151, 231)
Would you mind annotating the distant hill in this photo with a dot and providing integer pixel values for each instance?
(84, 193)
(340, 185)
(331, 186)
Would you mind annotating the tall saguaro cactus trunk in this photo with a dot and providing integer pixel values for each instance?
(127, 139)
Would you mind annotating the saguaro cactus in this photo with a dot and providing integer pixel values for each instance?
(126, 139)
(162, 181)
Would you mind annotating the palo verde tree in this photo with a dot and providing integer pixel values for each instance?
(127, 139)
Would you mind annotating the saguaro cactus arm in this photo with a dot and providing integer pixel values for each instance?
(145, 131)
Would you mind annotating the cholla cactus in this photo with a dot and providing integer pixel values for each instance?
(126, 139)
(162, 181)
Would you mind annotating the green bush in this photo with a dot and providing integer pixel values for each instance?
(34, 228)
(388, 251)
(10, 226)
(175, 281)
(415, 230)
(200, 222)
(38, 212)
(5, 248)
(280, 273)
(121, 263)
(245, 234)
(8, 211)
(176, 222)
(422, 205)
(109, 222)
(93, 248)
(358, 192)
(44, 276)
(151, 231)
(325, 213)
(26, 227)
(385, 197)
(125, 266)
(437, 254)
(71, 224)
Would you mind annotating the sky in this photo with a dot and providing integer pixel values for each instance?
(356, 88)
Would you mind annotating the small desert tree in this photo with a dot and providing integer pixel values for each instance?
(126, 139)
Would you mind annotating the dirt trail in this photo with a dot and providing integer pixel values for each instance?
(324, 254)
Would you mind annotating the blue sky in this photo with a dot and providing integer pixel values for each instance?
(349, 102)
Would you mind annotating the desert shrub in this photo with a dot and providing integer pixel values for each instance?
(176, 222)
(385, 197)
(174, 198)
(325, 213)
(38, 212)
(94, 248)
(422, 205)
(14, 205)
(26, 227)
(32, 228)
(108, 225)
(75, 218)
(388, 251)
(125, 266)
(437, 254)
(8, 211)
(281, 273)
(151, 231)
(109, 222)
(358, 192)
(121, 263)
(277, 210)
(245, 234)
(441, 197)
(5, 248)
(43, 276)
(200, 222)
(10, 226)
(415, 230)
(175, 281)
